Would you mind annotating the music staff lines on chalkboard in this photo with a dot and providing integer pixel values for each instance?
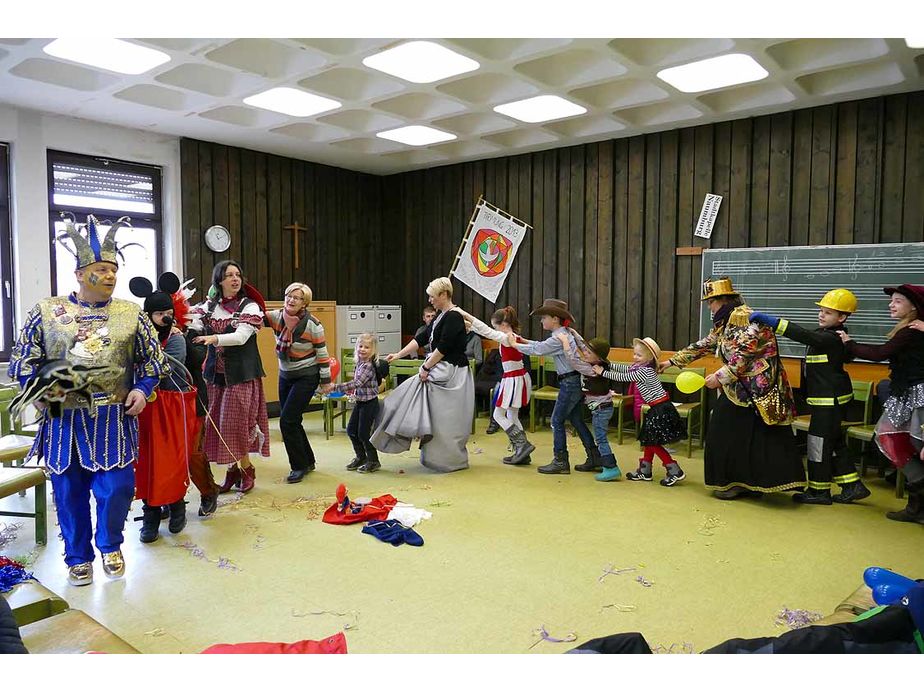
(787, 281)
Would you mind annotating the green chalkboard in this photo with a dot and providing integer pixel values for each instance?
(788, 281)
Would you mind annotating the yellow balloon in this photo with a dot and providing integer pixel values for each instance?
(689, 382)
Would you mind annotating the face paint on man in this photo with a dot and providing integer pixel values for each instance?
(99, 278)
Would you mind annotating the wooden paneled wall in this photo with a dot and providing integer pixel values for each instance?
(607, 216)
(255, 195)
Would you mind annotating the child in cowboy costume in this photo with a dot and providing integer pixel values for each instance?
(556, 319)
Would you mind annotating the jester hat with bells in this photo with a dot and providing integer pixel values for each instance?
(88, 249)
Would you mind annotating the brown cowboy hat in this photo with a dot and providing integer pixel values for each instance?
(552, 306)
(912, 292)
(600, 346)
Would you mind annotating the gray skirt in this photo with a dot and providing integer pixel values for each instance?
(438, 411)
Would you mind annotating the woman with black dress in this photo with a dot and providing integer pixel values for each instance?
(436, 406)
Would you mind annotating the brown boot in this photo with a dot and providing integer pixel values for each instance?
(248, 479)
(232, 479)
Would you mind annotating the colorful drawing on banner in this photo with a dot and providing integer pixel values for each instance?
(490, 252)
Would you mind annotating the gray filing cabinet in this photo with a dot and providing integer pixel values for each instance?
(384, 322)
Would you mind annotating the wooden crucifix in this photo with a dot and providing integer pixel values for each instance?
(295, 228)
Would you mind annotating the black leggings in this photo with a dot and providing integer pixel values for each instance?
(360, 428)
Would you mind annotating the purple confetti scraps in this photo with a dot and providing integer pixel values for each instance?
(544, 635)
(197, 552)
(675, 648)
(643, 582)
(608, 570)
(796, 618)
(8, 533)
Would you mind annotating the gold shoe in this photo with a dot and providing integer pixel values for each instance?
(113, 564)
(80, 574)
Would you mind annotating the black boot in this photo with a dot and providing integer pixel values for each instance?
(177, 517)
(813, 496)
(522, 447)
(558, 465)
(150, 523)
(593, 463)
(914, 511)
(493, 427)
(208, 504)
(851, 492)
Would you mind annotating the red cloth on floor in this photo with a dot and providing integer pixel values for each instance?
(167, 431)
(377, 509)
(335, 644)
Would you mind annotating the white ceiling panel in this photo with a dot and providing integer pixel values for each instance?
(200, 91)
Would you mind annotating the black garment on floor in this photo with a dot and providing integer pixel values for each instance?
(10, 641)
(743, 450)
(295, 392)
(891, 631)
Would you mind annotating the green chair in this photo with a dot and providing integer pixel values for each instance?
(621, 404)
(543, 392)
(865, 431)
(15, 443)
(862, 392)
(693, 412)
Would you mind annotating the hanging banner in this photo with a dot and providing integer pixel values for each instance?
(707, 215)
(488, 249)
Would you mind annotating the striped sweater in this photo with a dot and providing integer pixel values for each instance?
(308, 348)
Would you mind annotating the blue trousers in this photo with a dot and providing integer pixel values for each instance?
(113, 491)
(600, 418)
(568, 408)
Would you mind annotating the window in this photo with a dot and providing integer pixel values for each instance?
(109, 190)
(6, 258)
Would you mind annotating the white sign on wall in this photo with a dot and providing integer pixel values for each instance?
(707, 216)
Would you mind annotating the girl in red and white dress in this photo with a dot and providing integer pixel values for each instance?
(514, 389)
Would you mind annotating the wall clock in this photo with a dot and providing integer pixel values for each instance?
(217, 238)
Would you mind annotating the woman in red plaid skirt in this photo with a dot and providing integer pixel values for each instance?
(237, 424)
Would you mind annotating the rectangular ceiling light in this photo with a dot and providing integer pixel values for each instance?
(421, 62)
(915, 42)
(539, 109)
(714, 73)
(416, 135)
(108, 53)
(293, 102)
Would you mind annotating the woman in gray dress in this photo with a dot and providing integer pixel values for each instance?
(436, 406)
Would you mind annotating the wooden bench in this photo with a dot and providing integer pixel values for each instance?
(72, 632)
(16, 479)
(31, 601)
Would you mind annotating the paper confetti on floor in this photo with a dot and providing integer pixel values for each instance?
(643, 582)
(156, 633)
(543, 634)
(351, 625)
(608, 570)
(197, 552)
(710, 524)
(8, 532)
(619, 607)
(796, 618)
(675, 648)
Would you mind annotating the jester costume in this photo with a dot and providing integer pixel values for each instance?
(90, 445)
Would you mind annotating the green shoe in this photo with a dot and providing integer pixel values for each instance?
(609, 474)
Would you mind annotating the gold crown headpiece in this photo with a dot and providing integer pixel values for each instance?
(88, 249)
